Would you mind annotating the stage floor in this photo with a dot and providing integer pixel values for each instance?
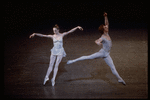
(26, 62)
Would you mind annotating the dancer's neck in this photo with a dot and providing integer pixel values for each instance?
(105, 33)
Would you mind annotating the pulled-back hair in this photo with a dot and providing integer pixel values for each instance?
(101, 29)
(56, 26)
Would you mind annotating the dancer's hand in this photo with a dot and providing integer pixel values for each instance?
(31, 36)
(105, 14)
(80, 28)
(98, 42)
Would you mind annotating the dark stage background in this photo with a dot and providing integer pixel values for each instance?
(21, 18)
(26, 60)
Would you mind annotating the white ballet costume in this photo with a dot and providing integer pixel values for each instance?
(103, 53)
(59, 52)
(58, 47)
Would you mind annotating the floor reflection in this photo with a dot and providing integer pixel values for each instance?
(50, 92)
(53, 90)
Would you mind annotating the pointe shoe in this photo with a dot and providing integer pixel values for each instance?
(45, 80)
(53, 82)
(70, 61)
(122, 81)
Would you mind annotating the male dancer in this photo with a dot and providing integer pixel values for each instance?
(104, 40)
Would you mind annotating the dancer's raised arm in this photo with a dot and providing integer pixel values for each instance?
(72, 30)
(40, 35)
(106, 19)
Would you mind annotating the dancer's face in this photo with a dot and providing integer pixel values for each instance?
(105, 28)
(55, 30)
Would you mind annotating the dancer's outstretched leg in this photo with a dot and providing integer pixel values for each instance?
(52, 60)
(59, 58)
(110, 63)
(93, 56)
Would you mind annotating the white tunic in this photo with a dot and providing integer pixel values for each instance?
(58, 47)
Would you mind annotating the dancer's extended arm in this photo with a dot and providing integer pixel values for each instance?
(72, 30)
(40, 35)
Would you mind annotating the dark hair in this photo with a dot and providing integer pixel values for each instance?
(56, 26)
(101, 29)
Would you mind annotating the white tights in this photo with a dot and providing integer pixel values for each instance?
(52, 60)
(100, 54)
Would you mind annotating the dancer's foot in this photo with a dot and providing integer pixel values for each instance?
(53, 82)
(45, 80)
(122, 81)
(70, 61)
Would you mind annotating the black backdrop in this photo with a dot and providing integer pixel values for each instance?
(26, 17)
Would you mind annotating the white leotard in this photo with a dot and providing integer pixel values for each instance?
(58, 47)
(107, 44)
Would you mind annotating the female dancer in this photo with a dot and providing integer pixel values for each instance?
(57, 51)
(104, 40)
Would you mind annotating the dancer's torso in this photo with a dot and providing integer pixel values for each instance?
(58, 47)
(107, 44)
(58, 44)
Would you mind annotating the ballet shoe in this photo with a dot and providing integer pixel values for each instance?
(45, 80)
(53, 82)
(122, 81)
(69, 62)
